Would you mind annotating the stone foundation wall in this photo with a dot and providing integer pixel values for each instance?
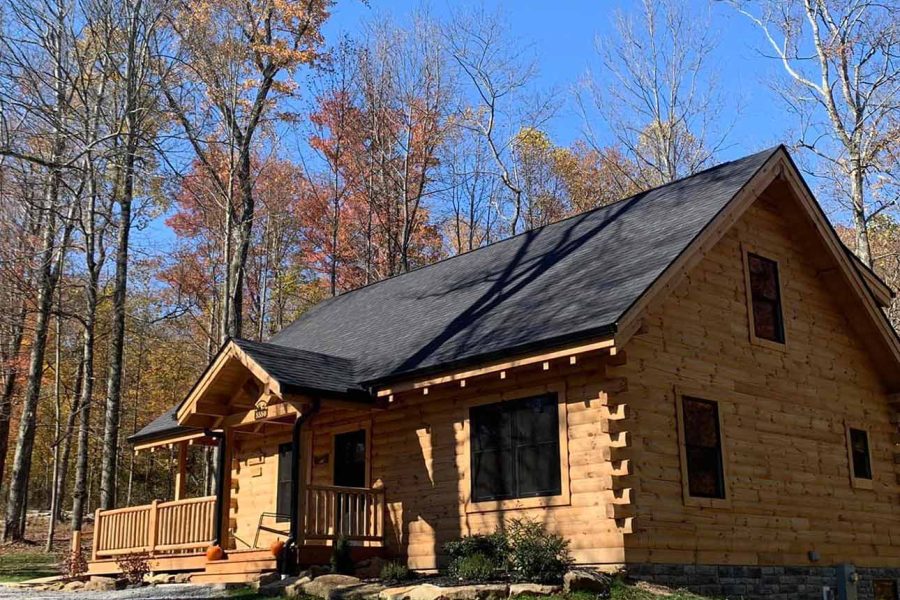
(752, 582)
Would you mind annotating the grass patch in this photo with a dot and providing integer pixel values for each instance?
(25, 565)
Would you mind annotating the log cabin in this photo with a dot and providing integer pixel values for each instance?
(697, 383)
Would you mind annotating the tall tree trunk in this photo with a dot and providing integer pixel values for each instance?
(11, 371)
(117, 344)
(860, 222)
(21, 471)
(79, 491)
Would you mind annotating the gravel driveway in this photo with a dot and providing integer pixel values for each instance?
(159, 592)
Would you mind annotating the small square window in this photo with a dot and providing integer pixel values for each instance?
(765, 298)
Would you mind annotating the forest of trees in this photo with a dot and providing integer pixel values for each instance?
(176, 172)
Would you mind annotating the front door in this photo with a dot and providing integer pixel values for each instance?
(350, 459)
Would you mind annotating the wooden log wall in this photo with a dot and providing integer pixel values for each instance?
(420, 453)
(784, 413)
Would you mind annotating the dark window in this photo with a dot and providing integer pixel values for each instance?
(703, 448)
(768, 323)
(350, 459)
(885, 589)
(515, 449)
(283, 497)
(859, 450)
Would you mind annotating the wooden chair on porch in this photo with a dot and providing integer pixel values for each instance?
(261, 527)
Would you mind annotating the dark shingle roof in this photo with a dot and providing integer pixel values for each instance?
(571, 279)
(301, 371)
(165, 425)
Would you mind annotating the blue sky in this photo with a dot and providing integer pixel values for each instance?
(562, 34)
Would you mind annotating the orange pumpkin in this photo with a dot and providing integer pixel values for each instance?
(276, 548)
(214, 553)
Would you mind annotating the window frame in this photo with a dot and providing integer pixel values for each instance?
(720, 398)
(349, 428)
(859, 482)
(483, 506)
(746, 251)
(278, 481)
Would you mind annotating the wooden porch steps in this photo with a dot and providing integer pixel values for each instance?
(241, 566)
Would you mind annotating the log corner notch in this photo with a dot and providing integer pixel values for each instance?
(616, 423)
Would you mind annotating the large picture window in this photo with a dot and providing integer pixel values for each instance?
(515, 449)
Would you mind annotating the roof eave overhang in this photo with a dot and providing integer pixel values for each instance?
(598, 338)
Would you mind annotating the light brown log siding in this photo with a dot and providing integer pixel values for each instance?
(784, 415)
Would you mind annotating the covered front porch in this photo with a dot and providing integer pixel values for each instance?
(272, 485)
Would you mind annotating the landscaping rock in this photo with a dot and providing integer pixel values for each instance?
(424, 591)
(532, 589)
(160, 578)
(104, 584)
(582, 580)
(364, 591)
(371, 568)
(73, 586)
(328, 586)
(293, 587)
(488, 591)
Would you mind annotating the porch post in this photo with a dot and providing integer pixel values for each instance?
(218, 519)
(181, 473)
(290, 558)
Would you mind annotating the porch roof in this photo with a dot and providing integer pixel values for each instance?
(297, 372)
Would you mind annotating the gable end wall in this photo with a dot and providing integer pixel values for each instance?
(783, 414)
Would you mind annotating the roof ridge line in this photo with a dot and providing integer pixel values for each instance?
(770, 150)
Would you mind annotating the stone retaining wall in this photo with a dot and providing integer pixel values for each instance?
(752, 582)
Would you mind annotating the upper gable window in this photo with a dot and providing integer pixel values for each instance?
(765, 298)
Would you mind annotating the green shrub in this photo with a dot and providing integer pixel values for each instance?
(535, 555)
(493, 548)
(476, 567)
(341, 561)
(394, 572)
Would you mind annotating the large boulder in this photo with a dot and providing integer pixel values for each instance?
(159, 578)
(370, 568)
(104, 584)
(424, 591)
(328, 587)
(532, 590)
(73, 586)
(486, 591)
(291, 587)
(583, 580)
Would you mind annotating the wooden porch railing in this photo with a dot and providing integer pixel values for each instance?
(354, 513)
(157, 528)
